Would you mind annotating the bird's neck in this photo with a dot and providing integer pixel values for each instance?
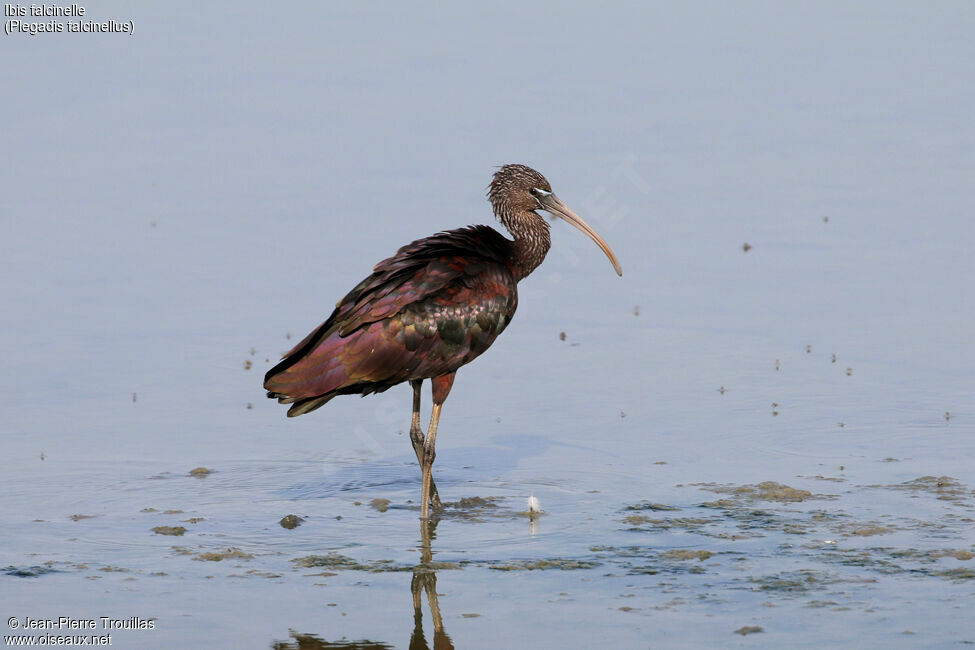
(531, 242)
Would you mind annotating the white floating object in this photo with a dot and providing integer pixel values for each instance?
(533, 505)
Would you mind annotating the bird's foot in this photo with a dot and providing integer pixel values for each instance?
(436, 506)
(426, 457)
(418, 439)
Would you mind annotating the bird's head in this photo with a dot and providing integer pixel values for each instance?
(518, 190)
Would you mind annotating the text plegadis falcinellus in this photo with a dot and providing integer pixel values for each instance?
(435, 305)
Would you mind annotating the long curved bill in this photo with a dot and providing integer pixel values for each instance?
(554, 204)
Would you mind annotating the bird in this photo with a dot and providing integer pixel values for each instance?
(434, 306)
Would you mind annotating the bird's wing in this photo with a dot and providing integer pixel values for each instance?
(391, 288)
(417, 271)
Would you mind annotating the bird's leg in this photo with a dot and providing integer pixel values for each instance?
(425, 580)
(422, 574)
(431, 588)
(416, 587)
(417, 438)
(416, 433)
(441, 388)
(426, 465)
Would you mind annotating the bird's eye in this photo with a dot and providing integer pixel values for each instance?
(533, 191)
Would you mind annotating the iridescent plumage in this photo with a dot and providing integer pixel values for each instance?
(431, 308)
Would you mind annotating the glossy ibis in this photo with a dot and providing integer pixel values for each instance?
(435, 305)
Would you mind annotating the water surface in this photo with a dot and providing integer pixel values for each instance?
(724, 440)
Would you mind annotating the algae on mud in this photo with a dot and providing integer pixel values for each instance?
(945, 488)
(686, 554)
(561, 564)
(227, 554)
(169, 530)
(765, 491)
(337, 561)
(290, 522)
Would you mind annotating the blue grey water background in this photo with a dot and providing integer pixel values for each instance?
(174, 204)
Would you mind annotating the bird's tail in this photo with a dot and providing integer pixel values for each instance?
(300, 406)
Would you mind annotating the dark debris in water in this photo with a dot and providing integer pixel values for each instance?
(473, 503)
(765, 491)
(646, 522)
(824, 537)
(561, 564)
(477, 509)
(646, 505)
(792, 582)
(338, 561)
(381, 505)
(314, 642)
(114, 569)
(934, 555)
(28, 571)
(686, 554)
(944, 488)
(169, 530)
(820, 477)
(257, 574)
(867, 530)
(965, 573)
(889, 560)
(226, 554)
(291, 522)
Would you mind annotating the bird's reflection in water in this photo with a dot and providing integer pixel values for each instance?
(424, 582)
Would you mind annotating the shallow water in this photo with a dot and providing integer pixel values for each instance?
(775, 441)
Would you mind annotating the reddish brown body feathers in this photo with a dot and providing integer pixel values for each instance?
(435, 305)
